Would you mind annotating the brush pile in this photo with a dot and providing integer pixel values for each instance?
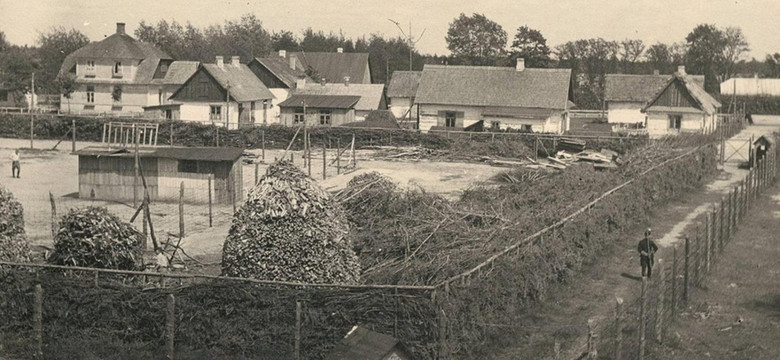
(94, 237)
(13, 243)
(290, 229)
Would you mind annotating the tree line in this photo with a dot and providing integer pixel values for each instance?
(718, 53)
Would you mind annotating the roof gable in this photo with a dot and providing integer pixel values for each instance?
(241, 82)
(371, 95)
(690, 90)
(335, 66)
(638, 88)
(280, 68)
(404, 84)
(494, 86)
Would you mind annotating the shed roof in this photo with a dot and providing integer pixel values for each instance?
(638, 88)
(363, 344)
(371, 95)
(381, 119)
(244, 85)
(180, 71)
(494, 86)
(404, 84)
(334, 66)
(321, 101)
(178, 153)
(120, 46)
(281, 69)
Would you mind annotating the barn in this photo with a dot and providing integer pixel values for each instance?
(110, 174)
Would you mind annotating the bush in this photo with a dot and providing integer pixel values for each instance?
(93, 237)
(13, 243)
(290, 229)
(764, 105)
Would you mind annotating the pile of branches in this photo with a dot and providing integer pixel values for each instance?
(94, 237)
(13, 243)
(290, 229)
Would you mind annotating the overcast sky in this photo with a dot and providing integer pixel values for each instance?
(559, 20)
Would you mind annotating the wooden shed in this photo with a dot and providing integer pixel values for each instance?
(109, 174)
(363, 344)
(761, 146)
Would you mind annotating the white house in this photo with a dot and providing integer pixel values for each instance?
(401, 92)
(457, 97)
(227, 94)
(682, 105)
(372, 96)
(280, 75)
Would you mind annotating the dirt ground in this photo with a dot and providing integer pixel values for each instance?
(45, 171)
(735, 314)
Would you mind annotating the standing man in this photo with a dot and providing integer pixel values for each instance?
(15, 168)
(646, 250)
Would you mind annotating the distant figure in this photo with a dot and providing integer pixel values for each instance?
(15, 167)
(646, 250)
(749, 118)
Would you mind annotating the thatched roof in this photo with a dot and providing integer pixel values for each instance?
(404, 84)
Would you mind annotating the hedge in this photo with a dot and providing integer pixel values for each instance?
(762, 105)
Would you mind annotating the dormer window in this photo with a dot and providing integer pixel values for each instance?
(90, 69)
(117, 69)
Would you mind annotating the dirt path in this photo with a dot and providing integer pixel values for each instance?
(591, 293)
(735, 314)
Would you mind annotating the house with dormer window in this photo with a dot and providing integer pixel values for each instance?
(118, 74)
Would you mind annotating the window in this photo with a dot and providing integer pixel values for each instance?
(495, 125)
(449, 119)
(116, 94)
(675, 121)
(116, 108)
(215, 112)
(90, 93)
(90, 70)
(298, 116)
(160, 98)
(528, 128)
(169, 114)
(204, 88)
(324, 117)
(117, 69)
(164, 68)
(188, 166)
(89, 107)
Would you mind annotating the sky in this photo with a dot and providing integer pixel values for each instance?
(559, 20)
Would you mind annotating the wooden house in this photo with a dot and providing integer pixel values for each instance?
(371, 96)
(401, 91)
(458, 97)
(363, 344)
(682, 105)
(318, 110)
(332, 66)
(109, 174)
(281, 76)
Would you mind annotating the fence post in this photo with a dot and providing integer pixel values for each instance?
(170, 318)
(136, 165)
(710, 220)
(308, 152)
(324, 161)
(687, 284)
(145, 211)
(642, 328)
(257, 172)
(73, 135)
(338, 156)
(659, 313)
(618, 328)
(354, 156)
(697, 258)
(297, 329)
(38, 321)
(262, 140)
(181, 210)
(674, 282)
(722, 223)
(54, 227)
(211, 179)
(592, 339)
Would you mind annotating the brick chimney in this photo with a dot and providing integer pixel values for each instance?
(520, 66)
(300, 83)
(292, 62)
(120, 28)
(220, 62)
(235, 61)
(346, 81)
(681, 70)
(340, 50)
(282, 53)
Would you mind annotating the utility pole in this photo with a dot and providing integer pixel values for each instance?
(409, 39)
(227, 107)
(32, 106)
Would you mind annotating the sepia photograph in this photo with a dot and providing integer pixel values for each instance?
(389, 180)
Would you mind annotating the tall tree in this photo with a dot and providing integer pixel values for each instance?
(659, 57)
(773, 65)
(66, 84)
(530, 45)
(17, 64)
(476, 38)
(705, 51)
(734, 48)
(53, 46)
(630, 51)
(285, 40)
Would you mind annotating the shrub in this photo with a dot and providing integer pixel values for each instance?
(13, 243)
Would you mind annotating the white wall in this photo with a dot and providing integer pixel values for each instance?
(472, 114)
(104, 69)
(399, 106)
(625, 112)
(658, 124)
(134, 98)
(751, 86)
(274, 110)
(199, 112)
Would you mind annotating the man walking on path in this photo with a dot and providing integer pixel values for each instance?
(646, 250)
(15, 168)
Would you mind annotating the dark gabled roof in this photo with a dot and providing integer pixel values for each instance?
(335, 66)
(494, 86)
(371, 95)
(180, 71)
(637, 88)
(280, 68)
(706, 102)
(363, 344)
(178, 153)
(404, 84)
(321, 101)
(120, 46)
(380, 119)
(244, 85)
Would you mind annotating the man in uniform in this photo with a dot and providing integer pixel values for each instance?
(15, 168)
(646, 250)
